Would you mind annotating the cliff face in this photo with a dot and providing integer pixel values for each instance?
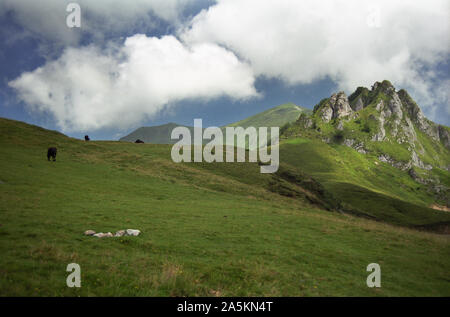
(336, 107)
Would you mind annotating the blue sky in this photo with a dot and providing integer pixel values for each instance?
(143, 62)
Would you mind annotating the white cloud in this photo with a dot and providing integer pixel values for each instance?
(88, 88)
(46, 19)
(303, 41)
(223, 50)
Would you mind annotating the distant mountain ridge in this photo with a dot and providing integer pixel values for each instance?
(154, 134)
(274, 117)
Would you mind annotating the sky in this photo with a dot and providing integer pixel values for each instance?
(148, 62)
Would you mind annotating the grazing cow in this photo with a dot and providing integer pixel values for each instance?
(51, 152)
(139, 141)
(86, 138)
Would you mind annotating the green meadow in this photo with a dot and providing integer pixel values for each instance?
(220, 229)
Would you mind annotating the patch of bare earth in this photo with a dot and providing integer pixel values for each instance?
(439, 207)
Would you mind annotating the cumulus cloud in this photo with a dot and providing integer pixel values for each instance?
(223, 49)
(46, 19)
(90, 88)
(353, 42)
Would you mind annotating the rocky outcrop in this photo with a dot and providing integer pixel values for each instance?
(400, 165)
(358, 104)
(444, 136)
(397, 119)
(382, 132)
(336, 107)
(417, 116)
(305, 121)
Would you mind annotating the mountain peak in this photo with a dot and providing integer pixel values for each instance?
(334, 107)
(381, 121)
(385, 86)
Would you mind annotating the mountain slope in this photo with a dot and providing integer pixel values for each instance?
(274, 117)
(155, 134)
(377, 128)
(207, 229)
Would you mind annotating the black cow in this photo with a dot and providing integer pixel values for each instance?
(139, 141)
(51, 152)
(86, 138)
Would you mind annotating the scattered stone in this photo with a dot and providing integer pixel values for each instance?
(133, 232)
(349, 142)
(120, 233)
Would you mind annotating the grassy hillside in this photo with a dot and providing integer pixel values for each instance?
(365, 185)
(274, 117)
(207, 229)
(378, 147)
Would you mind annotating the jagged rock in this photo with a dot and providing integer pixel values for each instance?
(349, 142)
(444, 136)
(305, 121)
(360, 148)
(133, 232)
(340, 105)
(417, 116)
(415, 160)
(399, 120)
(358, 105)
(395, 104)
(382, 132)
(326, 114)
(336, 107)
(400, 165)
(415, 177)
(89, 232)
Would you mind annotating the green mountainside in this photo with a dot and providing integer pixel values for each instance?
(381, 126)
(155, 134)
(274, 117)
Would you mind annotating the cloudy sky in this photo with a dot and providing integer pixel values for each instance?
(148, 62)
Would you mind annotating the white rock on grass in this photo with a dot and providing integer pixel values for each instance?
(133, 232)
(120, 233)
(103, 235)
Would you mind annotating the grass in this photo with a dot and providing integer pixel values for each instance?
(366, 185)
(207, 229)
(274, 117)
